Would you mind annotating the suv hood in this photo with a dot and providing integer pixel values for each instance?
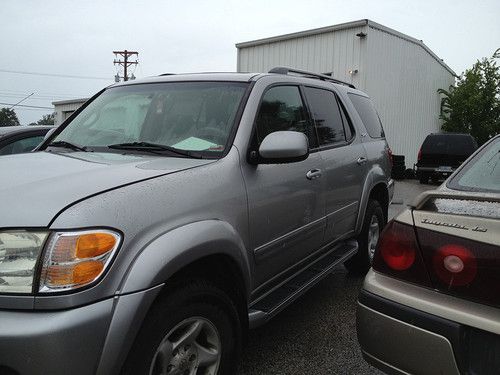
(35, 187)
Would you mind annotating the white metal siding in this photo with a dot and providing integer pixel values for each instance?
(63, 111)
(402, 80)
(336, 51)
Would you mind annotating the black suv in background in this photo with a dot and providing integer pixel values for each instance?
(442, 153)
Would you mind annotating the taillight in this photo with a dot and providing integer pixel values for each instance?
(389, 153)
(462, 267)
(455, 265)
(419, 156)
(398, 254)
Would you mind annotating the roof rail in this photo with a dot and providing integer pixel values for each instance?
(323, 77)
(166, 74)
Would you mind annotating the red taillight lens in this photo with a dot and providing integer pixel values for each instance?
(398, 254)
(419, 156)
(454, 265)
(462, 267)
(389, 153)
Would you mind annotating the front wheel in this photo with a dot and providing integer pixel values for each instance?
(192, 330)
(373, 223)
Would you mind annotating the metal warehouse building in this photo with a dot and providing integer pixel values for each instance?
(400, 73)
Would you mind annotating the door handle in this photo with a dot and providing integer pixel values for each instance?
(361, 160)
(313, 174)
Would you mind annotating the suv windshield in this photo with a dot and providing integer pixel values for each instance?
(189, 116)
(482, 173)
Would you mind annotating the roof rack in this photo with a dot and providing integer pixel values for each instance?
(322, 77)
(166, 74)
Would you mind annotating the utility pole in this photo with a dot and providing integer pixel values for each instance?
(125, 63)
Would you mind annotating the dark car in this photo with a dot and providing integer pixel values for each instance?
(430, 304)
(442, 153)
(20, 139)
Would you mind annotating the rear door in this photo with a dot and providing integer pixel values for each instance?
(344, 160)
(286, 208)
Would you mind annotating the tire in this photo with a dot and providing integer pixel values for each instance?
(194, 323)
(373, 223)
(424, 178)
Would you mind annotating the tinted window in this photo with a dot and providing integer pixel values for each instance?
(326, 115)
(449, 144)
(21, 145)
(482, 173)
(282, 109)
(368, 115)
(348, 128)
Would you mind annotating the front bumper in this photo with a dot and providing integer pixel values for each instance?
(54, 342)
(400, 339)
(93, 339)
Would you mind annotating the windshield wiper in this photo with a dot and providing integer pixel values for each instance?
(66, 144)
(154, 148)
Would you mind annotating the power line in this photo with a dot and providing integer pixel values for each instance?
(51, 75)
(27, 106)
(43, 93)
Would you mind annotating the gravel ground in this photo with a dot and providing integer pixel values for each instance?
(317, 334)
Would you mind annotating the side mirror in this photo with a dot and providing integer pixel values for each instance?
(283, 147)
(49, 133)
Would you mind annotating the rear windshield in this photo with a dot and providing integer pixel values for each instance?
(368, 114)
(482, 173)
(449, 144)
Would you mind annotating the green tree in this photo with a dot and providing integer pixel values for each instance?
(473, 104)
(8, 117)
(45, 120)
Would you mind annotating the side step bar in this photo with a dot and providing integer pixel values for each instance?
(272, 303)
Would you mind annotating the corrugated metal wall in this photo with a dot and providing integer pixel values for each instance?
(402, 79)
(400, 75)
(336, 51)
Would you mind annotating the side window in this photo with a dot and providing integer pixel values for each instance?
(326, 115)
(368, 115)
(21, 145)
(348, 127)
(282, 109)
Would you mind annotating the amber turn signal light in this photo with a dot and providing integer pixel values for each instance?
(77, 259)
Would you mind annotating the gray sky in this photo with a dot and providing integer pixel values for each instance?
(78, 37)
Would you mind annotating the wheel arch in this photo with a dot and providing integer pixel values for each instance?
(209, 250)
(378, 191)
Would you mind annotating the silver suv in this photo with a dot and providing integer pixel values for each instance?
(169, 215)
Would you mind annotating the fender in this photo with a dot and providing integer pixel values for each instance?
(151, 269)
(172, 251)
(374, 177)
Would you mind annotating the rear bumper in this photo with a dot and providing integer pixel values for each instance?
(400, 339)
(398, 347)
(435, 171)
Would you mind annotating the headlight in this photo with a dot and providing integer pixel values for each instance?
(19, 253)
(70, 259)
(76, 259)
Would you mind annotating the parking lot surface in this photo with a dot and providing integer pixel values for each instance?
(317, 334)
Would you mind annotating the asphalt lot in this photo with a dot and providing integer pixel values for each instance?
(317, 334)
